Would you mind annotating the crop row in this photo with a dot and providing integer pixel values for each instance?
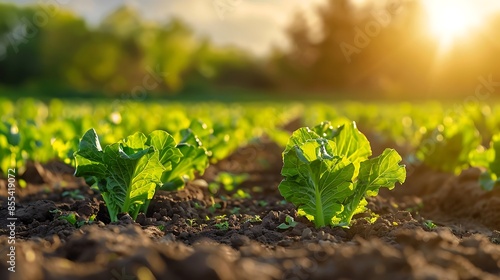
(445, 138)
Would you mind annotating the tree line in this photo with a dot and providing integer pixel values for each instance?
(382, 50)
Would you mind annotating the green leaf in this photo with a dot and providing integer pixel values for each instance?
(382, 171)
(165, 144)
(132, 178)
(299, 137)
(283, 226)
(135, 141)
(290, 221)
(126, 173)
(90, 147)
(71, 218)
(351, 143)
(321, 183)
(194, 159)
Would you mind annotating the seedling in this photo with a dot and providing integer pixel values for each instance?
(262, 203)
(241, 194)
(161, 227)
(214, 206)
(197, 206)
(430, 224)
(222, 225)
(191, 222)
(254, 219)
(74, 194)
(220, 217)
(289, 223)
(71, 218)
(282, 202)
(235, 210)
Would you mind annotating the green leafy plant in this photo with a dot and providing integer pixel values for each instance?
(74, 194)
(222, 225)
(489, 161)
(430, 224)
(227, 180)
(72, 219)
(254, 219)
(214, 206)
(161, 227)
(241, 194)
(235, 210)
(289, 223)
(447, 147)
(192, 157)
(126, 173)
(191, 222)
(328, 173)
(216, 140)
(262, 203)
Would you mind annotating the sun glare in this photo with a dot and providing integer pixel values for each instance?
(451, 20)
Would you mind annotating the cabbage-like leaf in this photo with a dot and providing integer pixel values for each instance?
(328, 174)
(321, 184)
(131, 178)
(128, 172)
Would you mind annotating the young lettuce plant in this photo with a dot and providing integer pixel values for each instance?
(447, 147)
(194, 158)
(126, 173)
(217, 141)
(489, 161)
(328, 173)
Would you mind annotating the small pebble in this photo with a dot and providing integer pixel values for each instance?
(306, 233)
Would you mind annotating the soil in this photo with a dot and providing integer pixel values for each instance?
(434, 226)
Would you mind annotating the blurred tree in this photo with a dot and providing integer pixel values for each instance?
(60, 41)
(169, 50)
(20, 59)
(295, 64)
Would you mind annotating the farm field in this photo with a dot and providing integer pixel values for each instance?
(138, 190)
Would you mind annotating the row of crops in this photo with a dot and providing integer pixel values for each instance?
(446, 138)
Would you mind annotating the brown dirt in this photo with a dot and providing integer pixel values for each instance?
(181, 236)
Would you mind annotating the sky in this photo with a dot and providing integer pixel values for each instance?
(252, 24)
(255, 25)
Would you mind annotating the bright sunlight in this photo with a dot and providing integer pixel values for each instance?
(451, 20)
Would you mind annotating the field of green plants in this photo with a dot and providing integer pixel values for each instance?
(170, 190)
